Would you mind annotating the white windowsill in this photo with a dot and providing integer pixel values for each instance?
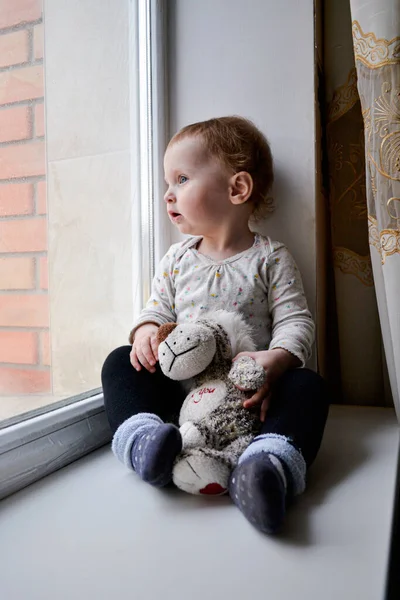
(94, 530)
(34, 448)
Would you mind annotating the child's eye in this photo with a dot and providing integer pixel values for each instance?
(182, 179)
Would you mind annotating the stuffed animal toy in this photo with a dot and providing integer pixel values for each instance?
(214, 425)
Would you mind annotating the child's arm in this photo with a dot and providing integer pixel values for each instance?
(160, 307)
(292, 325)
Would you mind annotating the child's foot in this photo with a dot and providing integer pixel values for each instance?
(149, 446)
(258, 488)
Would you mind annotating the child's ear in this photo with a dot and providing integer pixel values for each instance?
(241, 187)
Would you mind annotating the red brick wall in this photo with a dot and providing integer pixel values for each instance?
(24, 300)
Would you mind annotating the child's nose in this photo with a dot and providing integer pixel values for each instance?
(169, 196)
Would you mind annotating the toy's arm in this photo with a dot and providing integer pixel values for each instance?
(247, 374)
(192, 437)
(198, 435)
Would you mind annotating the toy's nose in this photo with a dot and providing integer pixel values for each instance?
(168, 357)
(170, 354)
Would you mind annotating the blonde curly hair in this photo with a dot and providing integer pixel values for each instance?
(240, 146)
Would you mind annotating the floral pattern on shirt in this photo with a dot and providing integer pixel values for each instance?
(263, 283)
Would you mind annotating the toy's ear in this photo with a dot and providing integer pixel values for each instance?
(238, 331)
(164, 331)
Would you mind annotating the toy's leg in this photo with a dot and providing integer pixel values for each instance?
(274, 465)
(206, 470)
(136, 404)
(197, 472)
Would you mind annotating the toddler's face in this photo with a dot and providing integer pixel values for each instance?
(198, 187)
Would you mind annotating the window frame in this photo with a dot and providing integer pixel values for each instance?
(50, 438)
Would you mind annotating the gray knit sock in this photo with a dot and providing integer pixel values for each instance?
(149, 446)
(258, 484)
(280, 446)
(258, 489)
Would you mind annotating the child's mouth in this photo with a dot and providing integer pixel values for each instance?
(174, 215)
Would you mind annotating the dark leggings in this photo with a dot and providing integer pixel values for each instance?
(298, 409)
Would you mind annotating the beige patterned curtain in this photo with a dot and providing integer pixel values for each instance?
(352, 354)
(358, 217)
(376, 40)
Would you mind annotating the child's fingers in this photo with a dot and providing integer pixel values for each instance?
(146, 357)
(242, 389)
(144, 362)
(254, 400)
(258, 397)
(134, 359)
(154, 346)
(148, 351)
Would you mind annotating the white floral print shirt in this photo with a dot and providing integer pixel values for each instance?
(263, 283)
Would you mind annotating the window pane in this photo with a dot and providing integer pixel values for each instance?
(66, 260)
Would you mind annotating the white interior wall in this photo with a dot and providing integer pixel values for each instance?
(255, 59)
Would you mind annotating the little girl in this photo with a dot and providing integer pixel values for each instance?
(218, 174)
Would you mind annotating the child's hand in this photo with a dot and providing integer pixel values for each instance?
(275, 363)
(145, 347)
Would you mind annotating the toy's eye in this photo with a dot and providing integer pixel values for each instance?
(188, 338)
(163, 353)
(174, 343)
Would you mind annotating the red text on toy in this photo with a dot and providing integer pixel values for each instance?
(200, 393)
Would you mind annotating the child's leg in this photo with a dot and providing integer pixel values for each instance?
(136, 404)
(276, 461)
